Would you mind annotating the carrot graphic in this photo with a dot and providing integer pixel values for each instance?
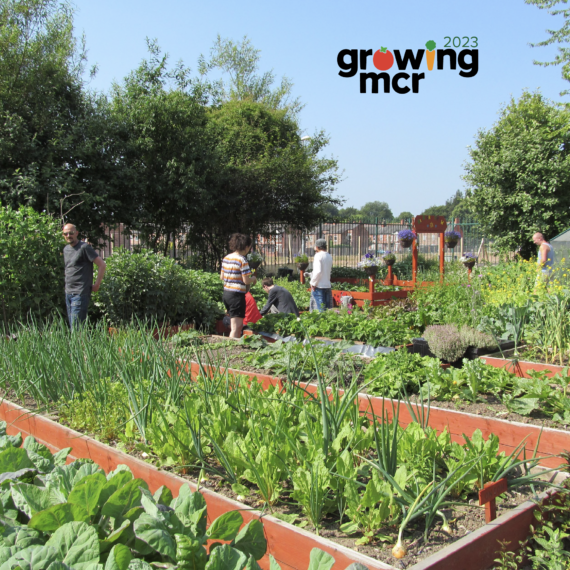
(430, 54)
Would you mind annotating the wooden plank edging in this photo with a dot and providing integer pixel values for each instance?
(522, 367)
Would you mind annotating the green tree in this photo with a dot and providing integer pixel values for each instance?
(165, 157)
(330, 211)
(373, 210)
(556, 37)
(240, 61)
(55, 152)
(263, 174)
(519, 173)
(349, 213)
(447, 208)
(403, 216)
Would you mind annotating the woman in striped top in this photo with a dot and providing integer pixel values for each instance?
(236, 276)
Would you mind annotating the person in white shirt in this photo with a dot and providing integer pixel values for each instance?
(321, 292)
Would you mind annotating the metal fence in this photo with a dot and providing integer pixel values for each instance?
(348, 242)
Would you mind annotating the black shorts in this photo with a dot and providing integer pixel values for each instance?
(235, 303)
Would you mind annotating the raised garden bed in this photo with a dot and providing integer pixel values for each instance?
(522, 368)
(374, 298)
(550, 441)
(290, 545)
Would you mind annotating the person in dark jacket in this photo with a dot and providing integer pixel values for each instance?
(279, 301)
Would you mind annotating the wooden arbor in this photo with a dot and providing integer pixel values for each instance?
(424, 225)
(429, 225)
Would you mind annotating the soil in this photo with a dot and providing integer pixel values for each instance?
(490, 406)
(462, 519)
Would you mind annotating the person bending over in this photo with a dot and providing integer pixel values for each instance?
(279, 300)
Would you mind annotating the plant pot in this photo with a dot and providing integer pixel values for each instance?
(371, 271)
(254, 264)
(451, 243)
(284, 272)
(469, 264)
(389, 262)
(302, 266)
(406, 242)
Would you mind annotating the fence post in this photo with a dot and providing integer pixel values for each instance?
(376, 239)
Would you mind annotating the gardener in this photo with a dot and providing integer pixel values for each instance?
(236, 276)
(79, 258)
(279, 301)
(545, 259)
(321, 293)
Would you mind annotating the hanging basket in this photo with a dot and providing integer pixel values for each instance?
(254, 264)
(302, 266)
(389, 262)
(469, 264)
(371, 271)
(406, 242)
(451, 243)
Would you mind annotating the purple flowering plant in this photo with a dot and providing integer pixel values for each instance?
(407, 234)
(452, 236)
(468, 257)
(388, 256)
(369, 260)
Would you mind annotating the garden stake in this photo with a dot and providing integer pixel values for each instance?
(487, 496)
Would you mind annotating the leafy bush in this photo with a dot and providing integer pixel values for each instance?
(445, 342)
(475, 338)
(31, 265)
(348, 272)
(148, 286)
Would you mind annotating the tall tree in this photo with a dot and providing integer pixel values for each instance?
(403, 216)
(447, 208)
(373, 210)
(349, 213)
(55, 153)
(264, 173)
(166, 155)
(556, 37)
(240, 61)
(519, 173)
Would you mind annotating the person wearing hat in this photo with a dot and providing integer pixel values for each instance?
(321, 291)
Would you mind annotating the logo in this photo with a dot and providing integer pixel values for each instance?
(393, 65)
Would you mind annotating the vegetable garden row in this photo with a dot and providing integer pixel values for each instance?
(375, 461)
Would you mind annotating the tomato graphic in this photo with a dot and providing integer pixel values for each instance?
(383, 59)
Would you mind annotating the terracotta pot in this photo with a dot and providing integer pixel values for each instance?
(451, 243)
(302, 266)
(389, 262)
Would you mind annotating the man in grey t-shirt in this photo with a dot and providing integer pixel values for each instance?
(79, 258)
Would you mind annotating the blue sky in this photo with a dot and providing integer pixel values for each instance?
(408, 150)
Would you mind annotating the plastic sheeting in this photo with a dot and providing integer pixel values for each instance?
(361, 349)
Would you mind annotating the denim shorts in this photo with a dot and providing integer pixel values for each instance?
(321, 299)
